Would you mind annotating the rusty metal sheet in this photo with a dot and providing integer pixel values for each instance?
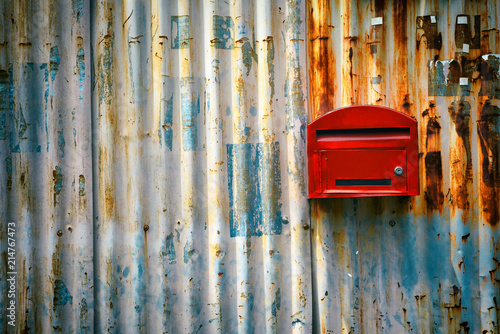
(201, 219)
(158, 183)
(46, 166)
(427, 263)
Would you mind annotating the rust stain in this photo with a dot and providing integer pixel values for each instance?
(489, 138)
(322, 71)
(399, 76)
(350, 89)
(434, 196)
(461, 164)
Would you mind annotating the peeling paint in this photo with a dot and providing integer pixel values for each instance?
(249, 56)
(427, 28)
(165, 127)
(80, 65)
(270, 66)
(489, 69)
(5, 96)
(170, 253)
(26, 127)
(61, 294)
(105, 66)
(254, 175)
(190, 110)
(54, 62)
(489, 133)
(81, 189)
(180, 32)
(61, 143)
(188, 252)
(78, 9)
(58, 181)
(223, 32)
(448, 85)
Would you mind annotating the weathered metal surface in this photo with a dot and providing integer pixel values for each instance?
(46, 164)
(158, 183)
(427, 263)
(201, 221)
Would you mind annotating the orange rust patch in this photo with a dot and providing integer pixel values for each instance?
(322, 71)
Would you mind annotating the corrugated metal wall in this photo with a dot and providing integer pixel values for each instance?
(46, 164)
(426, 264)
(200, 204)
(153, 158)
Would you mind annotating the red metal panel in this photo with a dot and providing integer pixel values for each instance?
(354, 151)
(362, 171)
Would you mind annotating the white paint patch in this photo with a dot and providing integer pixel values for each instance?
(462, 20)
(376, 21)
(464, 81)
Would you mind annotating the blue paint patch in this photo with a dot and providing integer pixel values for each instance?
(6, 88)
(170, 253)
(449, 85)
(228, 110)
(250, 301)
(190, 111)
(58, 179)
(249, 56)
(180, 32)
(276, 305)
(293, 21)
(27, 121)
(61, 294)
(223, 32)
(246, 131)
(376, 80)
(253, 111)
(118, 269)
(61, 143)
(254, 184)
(297, 322)
(165, 128)
(139, 270)
(126, 271)
(80, 65)
(77, 9)
(54, 62)
(188, 252)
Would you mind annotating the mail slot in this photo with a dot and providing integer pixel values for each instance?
(362, 151)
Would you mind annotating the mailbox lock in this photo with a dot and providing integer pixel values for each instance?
(398, 171)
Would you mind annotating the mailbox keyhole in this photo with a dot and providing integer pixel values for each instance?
(398, 171)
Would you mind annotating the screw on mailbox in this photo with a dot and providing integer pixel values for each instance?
(398, 171)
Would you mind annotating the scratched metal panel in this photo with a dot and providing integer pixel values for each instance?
(201, 220)
(430, 263)
(46, 164)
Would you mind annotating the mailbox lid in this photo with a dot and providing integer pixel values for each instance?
(363, 171)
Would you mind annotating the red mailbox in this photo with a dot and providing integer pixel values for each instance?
(362, 151)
